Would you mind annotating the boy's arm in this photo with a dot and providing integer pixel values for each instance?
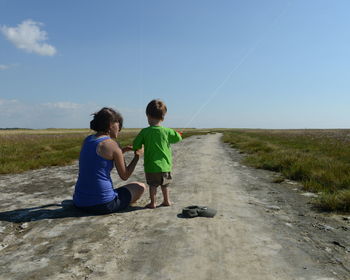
(138, 142)
(174, 136)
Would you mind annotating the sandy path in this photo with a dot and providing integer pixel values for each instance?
(262, 230)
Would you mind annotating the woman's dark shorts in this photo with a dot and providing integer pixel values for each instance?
(119, 203)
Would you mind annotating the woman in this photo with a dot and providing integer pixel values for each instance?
(94, 191)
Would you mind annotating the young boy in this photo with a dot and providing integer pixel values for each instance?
(157, 152)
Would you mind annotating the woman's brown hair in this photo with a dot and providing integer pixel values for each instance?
(103, 118)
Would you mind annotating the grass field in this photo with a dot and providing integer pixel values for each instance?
(22, 150)
(319, 159)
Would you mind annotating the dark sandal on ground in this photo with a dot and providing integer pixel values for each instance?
(198, 211)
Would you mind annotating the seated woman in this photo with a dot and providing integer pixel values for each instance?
(94, 191)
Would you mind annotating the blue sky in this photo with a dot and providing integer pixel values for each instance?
(251, 64)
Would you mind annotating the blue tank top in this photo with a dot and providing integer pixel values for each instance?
(94, 185)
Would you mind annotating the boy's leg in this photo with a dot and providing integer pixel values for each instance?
(166, 181)
(153, 180)
(166, 199)
(152, 195)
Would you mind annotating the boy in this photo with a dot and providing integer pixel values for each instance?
(157, 155)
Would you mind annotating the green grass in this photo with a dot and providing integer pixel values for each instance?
(22, 150)
(28, 150)
(319, 159)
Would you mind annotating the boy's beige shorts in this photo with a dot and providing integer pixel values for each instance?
(158, 179)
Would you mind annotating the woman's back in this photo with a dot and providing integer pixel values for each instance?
(94, 185)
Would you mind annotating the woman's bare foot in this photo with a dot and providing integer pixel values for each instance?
(151, 205)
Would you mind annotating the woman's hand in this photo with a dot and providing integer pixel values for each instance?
(127, 149)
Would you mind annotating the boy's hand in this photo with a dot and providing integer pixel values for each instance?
(127, 149)
(180, 132)
(139, 152)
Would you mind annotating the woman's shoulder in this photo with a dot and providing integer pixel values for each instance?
(94, 138)
(108, 142)
(107, 148)
(89, 137)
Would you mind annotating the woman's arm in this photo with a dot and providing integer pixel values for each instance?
(124, 170)
(111, 150)
(126, 148)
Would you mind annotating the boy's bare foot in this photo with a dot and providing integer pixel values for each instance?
(151, 205)
(165, 204)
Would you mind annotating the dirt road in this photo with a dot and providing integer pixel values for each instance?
(262, 230)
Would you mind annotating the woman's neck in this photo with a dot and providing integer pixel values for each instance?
(101, 134)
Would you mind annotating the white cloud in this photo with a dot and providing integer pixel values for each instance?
(5, 67)
(29, 37)
(15, 113)
(8, 101)
(63, 105)
(64, 114)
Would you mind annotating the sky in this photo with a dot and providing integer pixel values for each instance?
(227, 63)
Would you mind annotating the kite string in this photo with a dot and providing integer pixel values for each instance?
(260, 39)
(141, 66)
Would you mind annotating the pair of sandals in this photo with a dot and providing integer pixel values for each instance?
(198, 211)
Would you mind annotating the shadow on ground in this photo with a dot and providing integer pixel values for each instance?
(65, 209)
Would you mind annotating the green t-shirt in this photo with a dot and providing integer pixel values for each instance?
(156, 141)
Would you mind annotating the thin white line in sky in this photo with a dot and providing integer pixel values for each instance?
(260, 39)
(141, 66)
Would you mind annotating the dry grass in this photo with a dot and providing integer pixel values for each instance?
(31, 149)
(319, 159)
(42, 131)
(22, 150)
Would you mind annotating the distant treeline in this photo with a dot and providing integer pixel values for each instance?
(15, 128)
